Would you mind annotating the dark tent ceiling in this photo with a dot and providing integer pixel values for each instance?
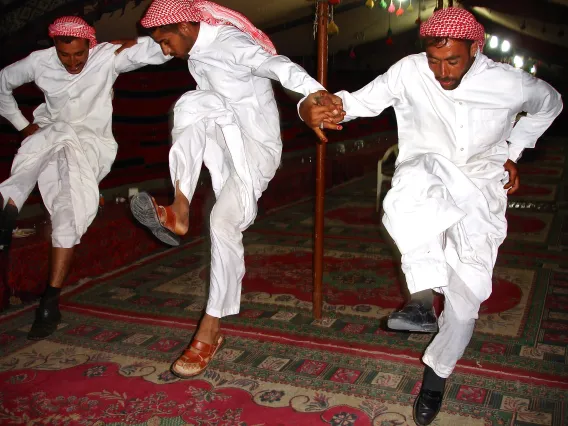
(535, 27)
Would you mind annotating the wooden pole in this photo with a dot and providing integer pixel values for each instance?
(323, 13)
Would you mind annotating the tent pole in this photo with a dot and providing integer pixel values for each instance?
(323, 14)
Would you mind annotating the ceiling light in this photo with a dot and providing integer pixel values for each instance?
(533, 69)
(505, 46)
(518, 61)
(493, 42)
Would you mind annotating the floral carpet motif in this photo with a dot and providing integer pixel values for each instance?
(108, 363)
(104, 371)
(361, 283)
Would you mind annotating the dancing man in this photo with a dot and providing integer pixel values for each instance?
(455, 109)
(231, 125)
(69, 148)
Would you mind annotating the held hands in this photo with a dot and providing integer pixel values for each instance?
(125, 44)
(29, 130)
(322, 110)
(514, 181)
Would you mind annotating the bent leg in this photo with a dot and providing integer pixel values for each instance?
(56, 192)
(457, 322)
(195, 141)
(424, 268)
(227, 224)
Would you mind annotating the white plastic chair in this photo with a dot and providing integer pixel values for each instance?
(393, 150)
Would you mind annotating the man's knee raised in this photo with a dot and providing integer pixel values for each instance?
(221, 222)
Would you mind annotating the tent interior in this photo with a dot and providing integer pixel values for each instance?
(129, 304)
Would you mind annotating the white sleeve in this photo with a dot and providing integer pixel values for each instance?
(543, 104)
(375, 97)
(276, 67)
(515, 152)
(12, 77)
(145, 52)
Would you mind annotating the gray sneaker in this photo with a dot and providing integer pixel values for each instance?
(414, 317)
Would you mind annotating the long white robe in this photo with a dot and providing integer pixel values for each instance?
(231, 125)
(446, 208)
(433, 200)
(76, 119)
(471, 126)
(206, 132)
(228, 62)
(205, 118)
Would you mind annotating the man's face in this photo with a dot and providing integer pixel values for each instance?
(177, 43)
(451, 61)
(73, 55)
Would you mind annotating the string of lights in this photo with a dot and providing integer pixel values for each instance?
(503, 50)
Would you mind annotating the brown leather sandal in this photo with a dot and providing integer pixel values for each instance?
(170, 222)
(146, 211)
(194, 362)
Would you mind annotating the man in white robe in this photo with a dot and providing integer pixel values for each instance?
(231, 125)
(69, 148)
(455, 110)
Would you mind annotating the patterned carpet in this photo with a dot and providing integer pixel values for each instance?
(108, 362)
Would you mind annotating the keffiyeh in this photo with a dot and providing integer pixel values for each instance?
(73, 26)
(454, 22)
(165, 12)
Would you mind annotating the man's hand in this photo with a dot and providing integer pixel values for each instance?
(322, 110)
(29, 130)
(514, 181)
(125, 44)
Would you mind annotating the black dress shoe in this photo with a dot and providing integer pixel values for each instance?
(427, 406)
(8, 217)
(5, 239)
(45, 323)
(414, 317)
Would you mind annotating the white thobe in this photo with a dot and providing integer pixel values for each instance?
(446, 208)
(74, 148)
(231, 124)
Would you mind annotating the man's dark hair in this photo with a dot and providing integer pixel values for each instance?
(67, 39)
(170, 28)
(439, 42)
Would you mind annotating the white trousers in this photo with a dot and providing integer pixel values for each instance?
(459, 224)
(456, 325)
(67, 162)
(57, 194)
(207, 132)
(53, 179)
(461, 305)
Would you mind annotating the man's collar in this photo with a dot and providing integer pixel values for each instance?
(206, 36)
(476, 66)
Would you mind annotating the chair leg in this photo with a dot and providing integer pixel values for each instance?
(380, 177)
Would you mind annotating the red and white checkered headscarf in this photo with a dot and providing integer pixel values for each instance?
(454, 22)
(165, 12)
(73, 26)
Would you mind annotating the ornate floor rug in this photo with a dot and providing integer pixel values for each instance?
(108, 363)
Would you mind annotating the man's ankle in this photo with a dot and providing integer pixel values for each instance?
(50, 299)
(432, 381)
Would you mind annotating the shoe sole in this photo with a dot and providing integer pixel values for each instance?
(402, 325)
(36, 338)
(144, 211)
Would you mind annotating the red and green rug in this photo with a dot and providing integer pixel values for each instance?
(109, 361)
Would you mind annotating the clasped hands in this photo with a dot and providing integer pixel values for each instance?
(322, 110)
